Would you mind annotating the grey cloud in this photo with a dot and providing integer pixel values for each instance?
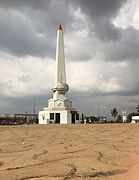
(105, 30)
(18, 37)
(89, 103)
(113, 43)
(23, 104)
(35, 4)
(25, 31)
(99, 9)
(131, 42)
(35, 33)
(126, 48)
(101, 104)
(101, 14)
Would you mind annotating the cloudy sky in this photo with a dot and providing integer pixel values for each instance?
(101, 49)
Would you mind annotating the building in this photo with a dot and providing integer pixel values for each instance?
(135, 119)
(102, 119)
(8, 119)
(59, 108)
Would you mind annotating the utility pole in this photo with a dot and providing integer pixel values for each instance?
(34, 108)
(99, 111)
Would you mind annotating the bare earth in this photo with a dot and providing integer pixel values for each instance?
(64, 152)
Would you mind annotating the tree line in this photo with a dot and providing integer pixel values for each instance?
(117, 118)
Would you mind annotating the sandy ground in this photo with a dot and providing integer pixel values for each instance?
(63, 152)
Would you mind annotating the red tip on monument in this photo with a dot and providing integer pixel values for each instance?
(60, 27)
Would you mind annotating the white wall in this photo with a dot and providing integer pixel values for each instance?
(135, 117)
(43, 116)
(65, 116)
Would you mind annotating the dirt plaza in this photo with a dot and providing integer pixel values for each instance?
(62, 152)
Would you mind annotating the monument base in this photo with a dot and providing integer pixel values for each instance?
(58, 116)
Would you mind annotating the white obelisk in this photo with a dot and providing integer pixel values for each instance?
(59, 108)
(60, 57)
(60, 87)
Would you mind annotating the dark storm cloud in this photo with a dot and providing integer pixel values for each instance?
(130, 42)
(18, 37)
(125, 42)
(35, 4)
(23, 104)
(99, 9)
(126, 48)
(101, 14)
(116, 44)
(29, 27)
(105, 30)
(96, 104)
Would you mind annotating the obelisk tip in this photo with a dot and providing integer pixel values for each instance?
(60, 27)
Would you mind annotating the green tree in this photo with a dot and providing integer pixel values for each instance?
(94, 119)
(119, 119)
(114, 113)
(82, 118)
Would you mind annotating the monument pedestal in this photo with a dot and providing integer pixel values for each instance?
(59, 112)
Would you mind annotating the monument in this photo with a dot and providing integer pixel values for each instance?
(59, 108)
(124, 115)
